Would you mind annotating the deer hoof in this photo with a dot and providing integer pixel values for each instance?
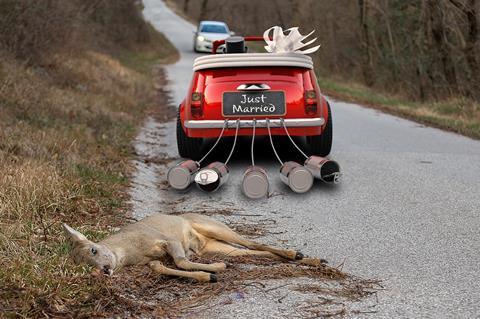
(213, 278)
(299, 255)
(323, 261)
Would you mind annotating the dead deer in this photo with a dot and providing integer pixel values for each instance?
(150, 240)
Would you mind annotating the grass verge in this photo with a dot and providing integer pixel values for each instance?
(65, 145)
(458, 115)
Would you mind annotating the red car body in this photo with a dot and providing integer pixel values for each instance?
(203, 103)
(295, 82)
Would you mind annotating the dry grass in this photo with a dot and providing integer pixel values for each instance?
(66, 123)
(138, 291)
(63, 154)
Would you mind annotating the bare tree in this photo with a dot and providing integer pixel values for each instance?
(419, 48)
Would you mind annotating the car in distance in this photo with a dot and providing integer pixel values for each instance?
(253, 90)
(207, 32)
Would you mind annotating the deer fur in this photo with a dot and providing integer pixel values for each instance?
(149, 241)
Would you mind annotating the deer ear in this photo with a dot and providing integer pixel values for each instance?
(73, 235)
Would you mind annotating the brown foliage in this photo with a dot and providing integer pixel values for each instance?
(422, 49)
(34, 30)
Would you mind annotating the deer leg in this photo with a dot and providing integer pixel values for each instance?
(216, 230)
(215, 247)
(175, 249)
(197, 275)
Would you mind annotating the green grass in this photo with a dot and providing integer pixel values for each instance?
(91, 174)
(358, 92)
(458, 115)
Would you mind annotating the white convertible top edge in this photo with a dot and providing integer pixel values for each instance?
(252, 60)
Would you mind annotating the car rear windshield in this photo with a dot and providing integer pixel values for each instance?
(213, 28)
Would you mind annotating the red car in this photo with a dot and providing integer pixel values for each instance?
(281, 87)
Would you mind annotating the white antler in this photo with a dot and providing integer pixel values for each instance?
(292, 42)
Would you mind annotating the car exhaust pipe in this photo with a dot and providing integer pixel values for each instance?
(324, 169)
(181, 175)
(255, 182)
(210, 178)
(296, 176)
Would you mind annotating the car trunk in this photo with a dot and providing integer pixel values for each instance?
(288, 80)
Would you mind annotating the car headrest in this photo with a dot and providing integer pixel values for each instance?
(235, 45)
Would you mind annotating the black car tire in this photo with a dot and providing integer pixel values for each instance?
(188, 147)
(321, 145)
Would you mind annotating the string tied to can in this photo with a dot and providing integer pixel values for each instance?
(322, 168)
(224, 127)
(296, 176)
(255, 183)
(214, 175)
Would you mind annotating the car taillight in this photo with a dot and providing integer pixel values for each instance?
(311, 102)
(197, 105)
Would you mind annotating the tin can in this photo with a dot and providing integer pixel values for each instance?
(211, 177)
(255, 182)
(296, 176)
(181, 175)
(323, 169)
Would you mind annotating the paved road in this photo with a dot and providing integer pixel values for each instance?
(407, 212)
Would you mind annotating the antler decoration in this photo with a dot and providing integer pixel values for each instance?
(292, 42)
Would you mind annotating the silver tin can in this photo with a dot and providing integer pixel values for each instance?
(296, 176)
(211, 177)
(181, 175)
(323, 169)
(255, 182)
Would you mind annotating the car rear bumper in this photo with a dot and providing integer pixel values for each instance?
(218, 124)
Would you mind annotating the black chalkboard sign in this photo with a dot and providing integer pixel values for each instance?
(238, 104)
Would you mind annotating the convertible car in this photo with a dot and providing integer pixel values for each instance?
(249, 89)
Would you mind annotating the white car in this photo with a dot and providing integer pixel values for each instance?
(207, 32)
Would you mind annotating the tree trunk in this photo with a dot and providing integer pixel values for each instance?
(470, 50)
(367, 51)
(439, 34)
(185, 6)
(203, 10)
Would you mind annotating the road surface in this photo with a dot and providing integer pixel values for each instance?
(407, 211)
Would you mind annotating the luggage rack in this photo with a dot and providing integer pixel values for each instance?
(232, 60)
